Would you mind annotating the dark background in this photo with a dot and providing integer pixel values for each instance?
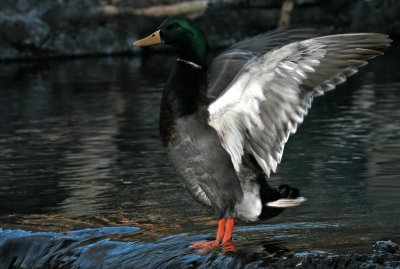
(48, 28)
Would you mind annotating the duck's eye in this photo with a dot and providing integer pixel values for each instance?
(173, 26)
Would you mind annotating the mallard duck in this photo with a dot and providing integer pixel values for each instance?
(224, 126)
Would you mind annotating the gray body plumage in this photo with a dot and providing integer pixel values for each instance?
(192, 145)
(203, 165)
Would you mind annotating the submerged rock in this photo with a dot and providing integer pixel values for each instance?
(45, 28)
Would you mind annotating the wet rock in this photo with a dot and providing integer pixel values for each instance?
(22, 35)
(386, 247)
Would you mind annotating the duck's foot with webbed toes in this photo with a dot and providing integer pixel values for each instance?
(223, 237)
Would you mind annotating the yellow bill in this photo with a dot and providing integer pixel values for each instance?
(152, 39)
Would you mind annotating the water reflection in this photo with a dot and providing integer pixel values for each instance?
(79, 148)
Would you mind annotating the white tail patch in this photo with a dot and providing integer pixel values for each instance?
(250, 207)
(287, 202)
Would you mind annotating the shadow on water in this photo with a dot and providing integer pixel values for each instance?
(80, 150)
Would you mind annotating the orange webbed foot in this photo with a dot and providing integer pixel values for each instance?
(224, 233)
(205, 245)
(229, 246)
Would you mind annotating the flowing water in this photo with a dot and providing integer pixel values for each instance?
(84, 175)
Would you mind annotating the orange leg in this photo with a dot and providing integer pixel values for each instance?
(228, 230)
(224, 232)
(227, 244)
(221, 230)
(215, 243)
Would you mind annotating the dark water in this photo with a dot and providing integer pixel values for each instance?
(82, 166)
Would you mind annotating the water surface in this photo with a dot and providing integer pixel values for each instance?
(80, 149)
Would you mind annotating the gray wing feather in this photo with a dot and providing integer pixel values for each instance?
(227, 65)
(271, 94)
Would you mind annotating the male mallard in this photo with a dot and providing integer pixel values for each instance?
(225, 136)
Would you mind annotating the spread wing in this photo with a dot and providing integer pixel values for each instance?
(270, 95)
(227, 65)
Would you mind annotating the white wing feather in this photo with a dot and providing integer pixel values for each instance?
(272, 93)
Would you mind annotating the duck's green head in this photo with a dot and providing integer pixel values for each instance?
(182, 34)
